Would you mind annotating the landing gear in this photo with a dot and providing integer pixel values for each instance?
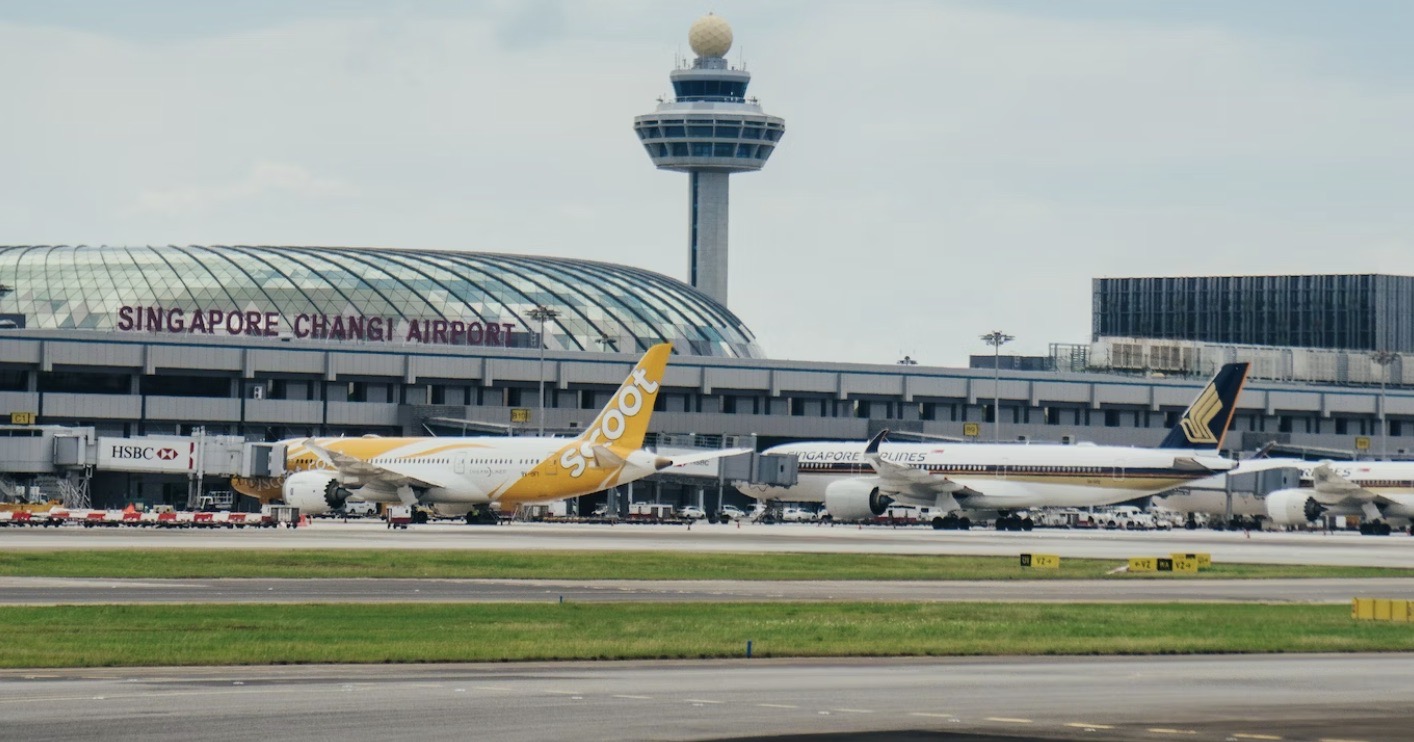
(480, 517)
(419, 516)
(1191, 523)
(951, 523)
(1014, 523)
(1376, 528)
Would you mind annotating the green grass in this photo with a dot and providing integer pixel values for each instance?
(115, 635)
(571, 565)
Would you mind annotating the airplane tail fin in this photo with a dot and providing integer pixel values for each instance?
(1204, 424)
(622, 423)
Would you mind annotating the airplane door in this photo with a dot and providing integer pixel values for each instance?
(459, 462)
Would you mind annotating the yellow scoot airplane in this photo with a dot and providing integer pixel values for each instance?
(474, 476)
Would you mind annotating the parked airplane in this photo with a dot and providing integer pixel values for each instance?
(474, 476)
(1377, 491)
(965, 479)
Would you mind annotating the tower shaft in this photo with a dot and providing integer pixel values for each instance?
(708, 193)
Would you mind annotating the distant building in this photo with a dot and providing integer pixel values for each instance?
(1334, 312)
(1012, 363)
(1314, 328)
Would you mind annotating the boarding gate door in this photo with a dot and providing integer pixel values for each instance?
(459, 462)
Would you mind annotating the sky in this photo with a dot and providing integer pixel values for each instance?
(948, 168)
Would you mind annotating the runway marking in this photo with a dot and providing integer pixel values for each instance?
(489, 687)
(174, 694)
(636, 698)
(933, 716)
(776, 706)
(563, 692)
(1008, 720)
(1255, 736)
(699, 700)
(1162, 730)
(852, 711)
(1083, 725)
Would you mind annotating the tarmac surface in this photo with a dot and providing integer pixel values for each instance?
(1229, 698)
(1225, 698)
(64, 591)
(1342, 548)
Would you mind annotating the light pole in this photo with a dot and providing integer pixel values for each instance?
(907, 361)
(1383, 358)
(996, 339)
(542, 313)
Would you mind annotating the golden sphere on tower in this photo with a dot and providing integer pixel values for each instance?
(710, 36)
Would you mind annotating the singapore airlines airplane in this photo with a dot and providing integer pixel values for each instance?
(962, 479)
(474, 476)
(1377, 491)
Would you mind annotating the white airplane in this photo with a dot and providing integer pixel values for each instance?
(474, 476)
(962, 479)
(1377, 491)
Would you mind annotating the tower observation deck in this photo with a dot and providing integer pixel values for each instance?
(709, 130)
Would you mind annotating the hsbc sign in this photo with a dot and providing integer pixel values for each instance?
(147, 454)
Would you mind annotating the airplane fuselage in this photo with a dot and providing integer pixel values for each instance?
(1005, 477)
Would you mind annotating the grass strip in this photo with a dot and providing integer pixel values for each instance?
(125, 635)
(590, 565)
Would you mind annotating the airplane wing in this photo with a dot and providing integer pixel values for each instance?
(1203, 464)
(1328, 482)
(394, 475)
(706, 456)
(895, 478)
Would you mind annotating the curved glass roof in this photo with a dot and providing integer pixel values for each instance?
(292, 290)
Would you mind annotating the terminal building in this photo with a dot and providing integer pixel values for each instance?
(249, 345)
(108, 339)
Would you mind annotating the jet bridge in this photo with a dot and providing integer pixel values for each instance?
(39, 463)
(49, 462)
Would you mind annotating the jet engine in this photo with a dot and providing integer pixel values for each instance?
(1293, 507)
(848, 501)
(314, 492)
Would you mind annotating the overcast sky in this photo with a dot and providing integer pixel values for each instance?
(948, 168)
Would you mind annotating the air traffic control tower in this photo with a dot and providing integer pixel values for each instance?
(709, 130)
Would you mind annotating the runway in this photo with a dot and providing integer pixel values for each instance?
(1270, 697)
(1344, 548)
(65, 591)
